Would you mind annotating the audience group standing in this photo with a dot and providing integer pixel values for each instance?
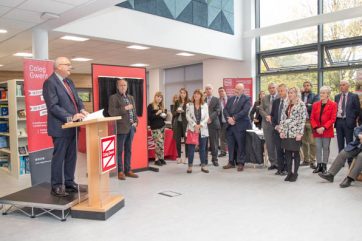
(297, 126)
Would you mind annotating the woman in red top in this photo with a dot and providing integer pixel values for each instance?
(322, 118)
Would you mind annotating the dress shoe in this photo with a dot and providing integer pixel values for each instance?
(240, 167)
(221, 155)
(75, 188)
(189, 170)
(284, 173)
(304, 163)
(163, 162)
(279, 173)
(272, 167)
(215, 163)
(318, 169)
(121, 176)
(327, 176)
(287, 178)
(312, 165)
(324, 167)
(204, 169)
(158, 163)
(293, 178)
(59, 192)
(131, 174)
(346, 182)
(228, 166)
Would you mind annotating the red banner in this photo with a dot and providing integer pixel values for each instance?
(108, 153)
(230, 83)
(35, 73)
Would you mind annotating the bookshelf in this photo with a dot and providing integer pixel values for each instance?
(13, 135)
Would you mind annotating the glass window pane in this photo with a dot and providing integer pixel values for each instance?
(193, 72)
(337, 5)
(291, 80)
(333, 77)
(288, 10)
(343, 29)
(344, 56)
(288, 39)
(292, 61)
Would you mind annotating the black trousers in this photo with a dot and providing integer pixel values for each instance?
(344, 135)
(236, 140)
(180, 132)
(63, 161)
(282, 164)
(293, 159)
(214, 144)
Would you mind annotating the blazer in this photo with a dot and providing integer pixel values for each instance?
(191, 118)
(326, 120)
(266, 106)
(275, 110)
(294, 124)
(116, 107)
(240, 112)
(222, 109)
(352, 108)
(60, 105)
(311, 99)
(356, 143)
(214, 112)
(175, 116)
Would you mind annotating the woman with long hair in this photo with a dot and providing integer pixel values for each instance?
(255, 117)
(179, 122)
(197, 115)
(156, 120)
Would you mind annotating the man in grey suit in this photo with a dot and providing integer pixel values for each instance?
(122, 104)
(213, 123)
(268, 129)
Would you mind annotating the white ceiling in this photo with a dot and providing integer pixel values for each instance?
(19, 17)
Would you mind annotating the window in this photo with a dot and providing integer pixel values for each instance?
(333, 77)
(296, 61)
(288, 10)
(337, 5)
(343, 56)
(291, 80)
(343, 29)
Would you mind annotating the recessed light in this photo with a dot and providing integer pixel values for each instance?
(139, 47)
(3, 31)
(80, 59)
(185, 54)
(23, 54)
(74, 38)
(139, 65)
(1, 65)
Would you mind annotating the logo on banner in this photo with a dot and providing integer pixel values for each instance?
(108, 153)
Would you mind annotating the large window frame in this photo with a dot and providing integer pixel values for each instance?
(321, 47)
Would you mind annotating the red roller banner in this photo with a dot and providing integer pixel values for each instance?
(40, 145)
(230, 83)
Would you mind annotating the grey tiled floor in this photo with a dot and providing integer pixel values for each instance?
(222, 205)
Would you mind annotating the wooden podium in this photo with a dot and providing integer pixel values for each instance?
(100, 204)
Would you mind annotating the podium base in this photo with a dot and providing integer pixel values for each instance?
(84, 211)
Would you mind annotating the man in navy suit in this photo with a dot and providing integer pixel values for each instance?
(236, 114)
(64, 105)
(347, 114)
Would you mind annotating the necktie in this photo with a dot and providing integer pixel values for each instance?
(272, 99)
(236, 100)
(343, 105)
(70, 93)
(224, 102)
(280, 110)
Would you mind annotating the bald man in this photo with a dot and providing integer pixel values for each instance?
(64, 105)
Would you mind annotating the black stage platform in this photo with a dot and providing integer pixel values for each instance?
(37, 200)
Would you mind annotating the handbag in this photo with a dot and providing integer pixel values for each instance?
(291, 144)
(192, 138)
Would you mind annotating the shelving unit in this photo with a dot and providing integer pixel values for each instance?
(16, 135)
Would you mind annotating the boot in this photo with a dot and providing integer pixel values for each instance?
(163, 162)
(346, 182)
(324, 167)
(158, 163)
(319, 168)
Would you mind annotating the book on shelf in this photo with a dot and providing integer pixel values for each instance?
(4, 143)
(3, 93)
(19, 89)
(22, 113)
(4, 110)
(23, 150)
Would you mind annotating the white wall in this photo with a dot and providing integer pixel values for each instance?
(155, 82)
(127, 25)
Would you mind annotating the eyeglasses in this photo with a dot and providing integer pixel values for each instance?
(66, 64)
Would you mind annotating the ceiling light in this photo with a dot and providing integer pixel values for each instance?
(3, 31)
(139, 47)
(139, 65)
(80, 59)
(74, 38)
(185, 54)
(1, 65)
(23, 54)
(49, 16)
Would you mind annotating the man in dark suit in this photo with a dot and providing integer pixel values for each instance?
(237, 115)
(308, 142)
(223, 124)
(122, 104)
(213, 124)
(347, 114)
(276, 114)
(353, 149)
(63, 105)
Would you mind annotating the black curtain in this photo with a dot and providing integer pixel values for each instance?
(108, 87)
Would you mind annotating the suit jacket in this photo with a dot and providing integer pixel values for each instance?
(352, 108)
(266, 106)
(356, 143)
(116, 107)
(222, 109)
(275, 110)
(175, 116)
(191, 118)
(311, 99)
(240, 112)
(214, 112)
(60, 105)
(327, 120)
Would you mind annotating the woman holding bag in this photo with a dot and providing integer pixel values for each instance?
(197, 115)
(291, 131)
